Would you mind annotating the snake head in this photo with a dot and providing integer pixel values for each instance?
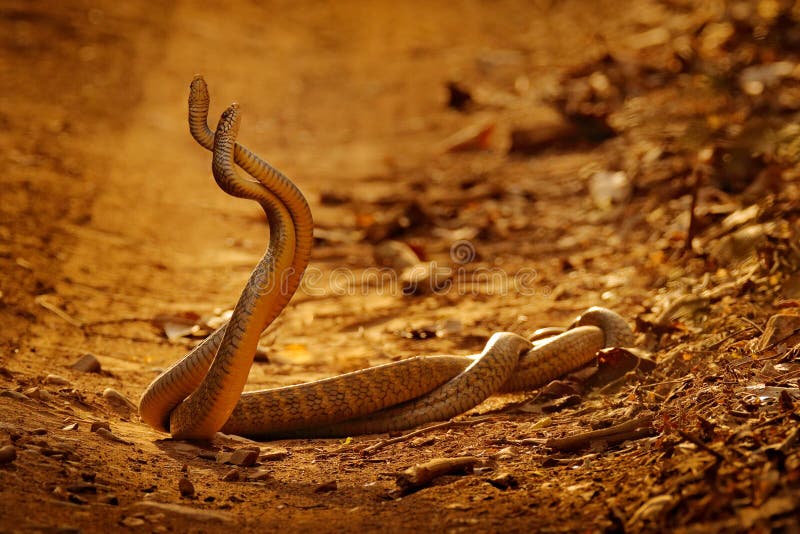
(198, 91)
(229, 121)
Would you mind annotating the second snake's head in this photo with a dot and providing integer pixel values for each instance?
(228, 124)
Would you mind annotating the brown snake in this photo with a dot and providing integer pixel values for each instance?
(202, 393)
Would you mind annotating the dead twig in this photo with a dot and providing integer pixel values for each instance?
(524, 441)
(44, 302)
(695, 180)
(633, 429)
(447, 424)
(419, 475)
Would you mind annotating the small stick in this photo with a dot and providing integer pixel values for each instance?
(636, 428)
(42, 301)
(405, 437)
(420, 475)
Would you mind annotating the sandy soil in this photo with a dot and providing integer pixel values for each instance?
(112, 227)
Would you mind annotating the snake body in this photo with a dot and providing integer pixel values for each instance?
(201, 393)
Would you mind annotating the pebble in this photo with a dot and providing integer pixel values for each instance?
(82, 488)
(115, 396)
(609, 189)
(186, 487)
(8, 454)
(269, 454)
(14, 395)
(207, 455)
(189, 513)
(423, 441)
(133, 522)
(106, 434)
(88, 363)
(76, 499)
(73, 426)
(504, 480)
(39, 394)
(244, 457)
(739, 245)
(260, 474)
(424, 278)
(326, 487)
(396, 255)
(187, 448)
(55, 380)
(506, 453)
(234, 475)
(97, 425)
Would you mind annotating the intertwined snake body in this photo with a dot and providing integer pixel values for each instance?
(202, 393)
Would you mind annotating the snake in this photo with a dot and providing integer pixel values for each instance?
(202, 393)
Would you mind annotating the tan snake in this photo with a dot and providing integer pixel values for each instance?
(202, 393)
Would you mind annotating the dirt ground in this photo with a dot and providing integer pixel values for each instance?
(552, 155)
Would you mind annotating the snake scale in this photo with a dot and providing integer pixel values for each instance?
(202, 393)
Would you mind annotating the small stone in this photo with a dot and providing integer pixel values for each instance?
(244, 457)
(39, 431)
(88, 363)
(326, 487)
(16, 395)
(39, 394)
(424, 278)
(506, 453)
(55, 380)
(73, 426)
(76, 499)
(396, 255)
(109, 499)
(187, 448)
(609, 189)
(273, 453)
(106, 434)
(82, 488)
(97, 425)
(186, 488)
(234, 475)
(118, 398)
(448, 328)
(8, 454)
(504, 480)
(133, 522)
(261, 474)
(185, 512)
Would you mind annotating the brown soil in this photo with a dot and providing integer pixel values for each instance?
(112, 224)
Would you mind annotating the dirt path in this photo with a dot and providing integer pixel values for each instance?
(111, 219)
